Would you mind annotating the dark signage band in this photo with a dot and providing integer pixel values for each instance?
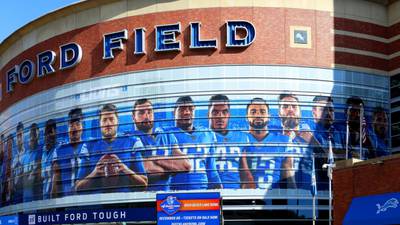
(90, 216)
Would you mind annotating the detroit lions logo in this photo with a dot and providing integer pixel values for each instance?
(391, 203)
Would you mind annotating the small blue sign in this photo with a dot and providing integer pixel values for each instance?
(300, 37)
(8, 220)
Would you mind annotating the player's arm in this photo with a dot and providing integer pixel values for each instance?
(92, 179)
(11, 184)
(312, 141)
(31, 174)
(246, 178)
(179, 162)
(134, 178)
(152, 167)
(150, 164)
(56, 178)
(214, 181)
(287, 172)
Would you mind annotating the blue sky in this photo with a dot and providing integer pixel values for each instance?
(16, 13)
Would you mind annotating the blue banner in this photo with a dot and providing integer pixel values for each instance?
(90, 216)
(374, 210)
(189, 208)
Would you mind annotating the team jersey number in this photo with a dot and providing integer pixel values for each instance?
(265, 169)
(197, 157)
(228, 158)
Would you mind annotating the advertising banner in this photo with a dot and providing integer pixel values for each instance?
(89, 216)
(189, 208)
(158, 131)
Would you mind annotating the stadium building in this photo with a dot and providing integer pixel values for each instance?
(131, 111)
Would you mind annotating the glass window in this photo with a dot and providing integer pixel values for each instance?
(395, 117)
(395, 92)
(395, 80)
(395, 141)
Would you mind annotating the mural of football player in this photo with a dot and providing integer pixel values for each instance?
(198, 144)
(117, 163)
(32, 168)
(268, 164)
(380, 132)
(357, 130)
(48, 155)
(230, 148)
(326, 129)
(305, 145)
(7, 185)
(70, 155)
(18, 163)
(161, 153)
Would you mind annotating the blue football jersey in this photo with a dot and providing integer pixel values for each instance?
(380, 146)
(18, 175)
(31, 187)
(302, 163)
(337, 137)
(68, 158)
(48, 156)
(158, 144)
(229, 149)
(265, 159)
(125, 148)
(199, 147)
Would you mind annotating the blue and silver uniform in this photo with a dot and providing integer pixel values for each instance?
(229, 150)
(199, 147)
(265, 159)
(337, 137)
(32, 189)
(302, 163)
(20, 157)
(48, 155)
(338, 142)
(158, 144)
(125, 148)
(379, 145)
(68, 159)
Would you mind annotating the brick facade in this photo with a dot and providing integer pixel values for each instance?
(371, 177)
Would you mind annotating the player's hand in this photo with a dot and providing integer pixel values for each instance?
(250, 185)
(307, 136)
(99, 169)
(56, 169)
(118, 166)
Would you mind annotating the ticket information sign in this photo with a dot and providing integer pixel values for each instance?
(189, 208)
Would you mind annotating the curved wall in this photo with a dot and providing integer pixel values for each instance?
(272, 65)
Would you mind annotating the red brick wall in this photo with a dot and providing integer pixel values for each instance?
(365, 178)
(271, 46)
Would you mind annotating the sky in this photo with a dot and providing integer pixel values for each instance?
(16, 13)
